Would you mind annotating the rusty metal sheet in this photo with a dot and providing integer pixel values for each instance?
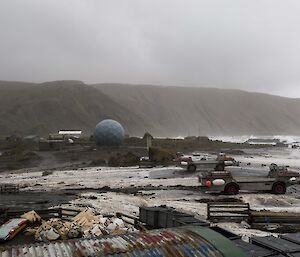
(172, 242)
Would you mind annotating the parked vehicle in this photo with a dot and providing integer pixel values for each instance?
(276, 181)
(203, 165)
(196, 157)
(145, 162)
(207, 162)
(228, 160)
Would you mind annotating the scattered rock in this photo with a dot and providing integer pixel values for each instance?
(41, 202)
(47, 173)
(92, 197)
(23, 185)
(244, 224)
(31, 216)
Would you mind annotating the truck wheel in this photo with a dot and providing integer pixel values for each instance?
(231, 189)
(191, 168)
(220, 167)
(279, 188)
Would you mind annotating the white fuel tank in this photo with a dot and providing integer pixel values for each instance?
(218, 182)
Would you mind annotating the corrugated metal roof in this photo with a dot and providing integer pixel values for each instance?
(171, 242)
(293, 237)
(280, 245)
(253, 250)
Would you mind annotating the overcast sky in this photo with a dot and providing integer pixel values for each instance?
(246, 44)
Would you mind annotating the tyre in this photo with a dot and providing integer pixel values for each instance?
(231, 189)
(191, 168)
(279, 188)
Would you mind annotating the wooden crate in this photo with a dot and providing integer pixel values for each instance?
(228, 211)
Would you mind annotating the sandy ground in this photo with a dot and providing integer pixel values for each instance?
(111, 190)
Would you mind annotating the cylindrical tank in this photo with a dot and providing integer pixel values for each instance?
(218, 182)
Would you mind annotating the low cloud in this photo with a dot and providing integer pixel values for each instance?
(249, 45)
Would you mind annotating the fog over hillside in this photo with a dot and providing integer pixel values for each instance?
(32, 108)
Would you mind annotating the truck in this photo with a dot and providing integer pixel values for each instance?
(276, 181)
(206, 163)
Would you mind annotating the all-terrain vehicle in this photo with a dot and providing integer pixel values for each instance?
(276, 182)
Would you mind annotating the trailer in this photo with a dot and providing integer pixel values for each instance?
(207, 163)
(192, 166)
(276, 181)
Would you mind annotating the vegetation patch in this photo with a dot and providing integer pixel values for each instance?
(124, 160)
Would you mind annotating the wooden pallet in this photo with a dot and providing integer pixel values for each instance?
(61, 213)
(228, 211)
(281, 221)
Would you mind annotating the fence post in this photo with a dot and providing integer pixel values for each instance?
(248, 206)
(60, 212)
(208, 211)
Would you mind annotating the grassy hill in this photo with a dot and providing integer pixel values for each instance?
(31, 108)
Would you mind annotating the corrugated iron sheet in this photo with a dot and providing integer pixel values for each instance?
(9, 228)
(172, 242)
(293, 237)
(253, 250)
(281, 245)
